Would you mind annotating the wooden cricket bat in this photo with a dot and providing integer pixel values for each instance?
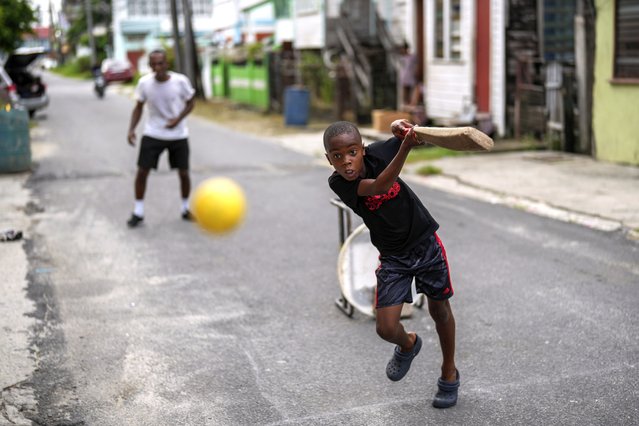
(455, 138)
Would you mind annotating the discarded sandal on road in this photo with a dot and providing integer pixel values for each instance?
(447, 393)
(399, 364)
(10, 235)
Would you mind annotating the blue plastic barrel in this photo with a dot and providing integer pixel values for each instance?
(15, 145)
(296, 106)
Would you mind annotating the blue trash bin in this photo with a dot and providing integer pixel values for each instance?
(296, 106)
(15, 145)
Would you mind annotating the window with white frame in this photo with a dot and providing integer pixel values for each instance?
(447, 30)
(147, 8)
(282, 8)
(306, 6)
(626, 39)
(161, 7)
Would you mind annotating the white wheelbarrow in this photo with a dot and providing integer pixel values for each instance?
(358, 258)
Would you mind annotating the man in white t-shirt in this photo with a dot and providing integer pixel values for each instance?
(170, 98)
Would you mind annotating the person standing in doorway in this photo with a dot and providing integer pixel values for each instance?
(170, 98)
(407, 73)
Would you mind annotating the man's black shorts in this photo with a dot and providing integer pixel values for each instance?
(151, 148)
(426, 262)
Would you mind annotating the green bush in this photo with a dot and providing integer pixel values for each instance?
(255, 52)
(429, 170)
(101, 43)
(77, 68)
(315, 76)
(170, 56)
(83, 64)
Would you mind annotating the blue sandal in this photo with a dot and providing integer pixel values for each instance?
(447, 393)
(399, 364)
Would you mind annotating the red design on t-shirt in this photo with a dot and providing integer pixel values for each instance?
(373, 202)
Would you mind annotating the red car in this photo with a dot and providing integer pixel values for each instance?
(117, 70)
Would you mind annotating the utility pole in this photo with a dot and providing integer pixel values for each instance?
(177, 43)
(89, 13)
(191, 67)
(188, 45)
(52, 32)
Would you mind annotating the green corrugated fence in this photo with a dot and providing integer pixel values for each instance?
(219, 79)
(242, 83)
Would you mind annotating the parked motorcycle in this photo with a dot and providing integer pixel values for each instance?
(99, 83)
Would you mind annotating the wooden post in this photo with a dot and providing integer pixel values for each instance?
(583, 75)
(517, 112)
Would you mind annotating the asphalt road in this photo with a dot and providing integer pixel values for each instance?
(166, 325)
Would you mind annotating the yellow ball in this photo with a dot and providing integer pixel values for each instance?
(218, 205)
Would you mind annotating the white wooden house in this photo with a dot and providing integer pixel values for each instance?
(141, 25)
(464, 61)
(248, 21)
(459, 46)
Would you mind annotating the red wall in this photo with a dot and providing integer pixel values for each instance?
(482, 57)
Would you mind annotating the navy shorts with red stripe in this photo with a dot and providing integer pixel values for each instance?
(426, 262)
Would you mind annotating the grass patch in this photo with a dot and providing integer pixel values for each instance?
(426, 153)
(530, 143)
(262, 123)
(72, 70)
(231, 115)
(429, 170)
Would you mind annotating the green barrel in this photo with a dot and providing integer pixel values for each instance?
(15, 146)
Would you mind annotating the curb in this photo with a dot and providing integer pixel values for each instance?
(453, 184)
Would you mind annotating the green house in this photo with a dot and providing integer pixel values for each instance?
(616, 83)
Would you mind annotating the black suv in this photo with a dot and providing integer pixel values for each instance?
(28, 86)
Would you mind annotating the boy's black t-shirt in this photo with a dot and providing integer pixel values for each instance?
(397, 220)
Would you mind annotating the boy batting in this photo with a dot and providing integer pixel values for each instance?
(367, 180)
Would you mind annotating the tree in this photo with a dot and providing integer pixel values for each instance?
(78, 32)
(16, 17)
